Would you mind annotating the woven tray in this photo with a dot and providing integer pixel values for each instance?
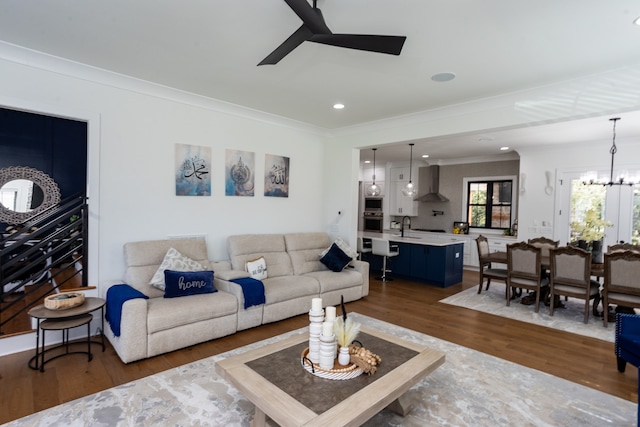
(64, 301)
(338, 372)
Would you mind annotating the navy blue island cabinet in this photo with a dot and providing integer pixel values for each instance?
(439, 265)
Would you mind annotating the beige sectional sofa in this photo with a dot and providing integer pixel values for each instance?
(157, 325)
(295, 275)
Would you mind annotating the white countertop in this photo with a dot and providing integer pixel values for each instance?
(415, 238)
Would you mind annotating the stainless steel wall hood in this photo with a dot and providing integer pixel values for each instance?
(429, 179)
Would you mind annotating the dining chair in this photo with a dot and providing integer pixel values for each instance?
(486, 269)
(524, 268)
(383, 248)
(570, 275)
(621, 281)
(623, 247)
(545, 244)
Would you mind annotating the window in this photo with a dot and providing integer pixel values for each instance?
(489, 203)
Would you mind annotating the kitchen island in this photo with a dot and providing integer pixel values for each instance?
(423, 258)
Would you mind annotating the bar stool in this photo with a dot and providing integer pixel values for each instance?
(382, 248)
(363, 247)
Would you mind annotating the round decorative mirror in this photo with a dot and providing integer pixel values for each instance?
(24, 192)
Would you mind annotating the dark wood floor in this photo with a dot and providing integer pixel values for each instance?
(586, 361)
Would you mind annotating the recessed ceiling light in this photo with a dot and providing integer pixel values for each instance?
(338, 106)
(367, 161)
(636, 21)
(443, 77)
(424, 156)
(504, 148)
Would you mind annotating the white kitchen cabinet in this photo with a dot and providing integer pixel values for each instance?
(399, 204)
(399, 174)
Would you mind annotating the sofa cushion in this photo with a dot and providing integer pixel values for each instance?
(167, 313)
(335, 258)
(173, 260)
(247, 247)
(184, 283)
(304, 250)
(285, 288)
(143, 258)
(331, 281)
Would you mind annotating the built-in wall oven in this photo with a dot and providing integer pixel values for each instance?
(372, 221)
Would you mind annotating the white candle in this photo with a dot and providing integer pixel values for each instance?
(330, 313)
(316, 304)
(327, 329)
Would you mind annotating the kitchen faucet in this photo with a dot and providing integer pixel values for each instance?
(402, 225)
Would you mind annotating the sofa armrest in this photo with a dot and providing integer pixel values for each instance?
(131, 345)
(363, 268)
(231, 274)
(226, 285)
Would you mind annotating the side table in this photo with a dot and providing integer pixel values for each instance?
(63, 320)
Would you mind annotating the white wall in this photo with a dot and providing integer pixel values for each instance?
(132, 137)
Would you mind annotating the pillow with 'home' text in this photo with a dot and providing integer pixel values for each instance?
(183, 283)
(174, 260)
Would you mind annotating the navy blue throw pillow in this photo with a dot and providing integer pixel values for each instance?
(183, 283)
(335, 259)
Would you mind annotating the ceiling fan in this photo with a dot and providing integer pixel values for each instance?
(314, 29)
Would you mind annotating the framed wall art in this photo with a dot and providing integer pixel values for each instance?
(193, 170)
(276, 176)
(239, 173)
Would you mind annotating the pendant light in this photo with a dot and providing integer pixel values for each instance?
(618, 180)
(410, 190)
(373, 189)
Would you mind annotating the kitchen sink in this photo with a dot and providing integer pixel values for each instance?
(430, 230)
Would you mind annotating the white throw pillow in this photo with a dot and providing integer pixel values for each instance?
(257, 268)
(342, 245)
(174, 260)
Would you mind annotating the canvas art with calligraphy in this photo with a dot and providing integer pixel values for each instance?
(239, 173)
(276, 176)
(193, 170)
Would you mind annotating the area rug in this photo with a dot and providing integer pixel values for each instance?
(470, 389)
(569, 319)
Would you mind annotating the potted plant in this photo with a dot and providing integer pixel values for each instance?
(590, 233)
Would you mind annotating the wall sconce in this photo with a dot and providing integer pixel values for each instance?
(523, 176)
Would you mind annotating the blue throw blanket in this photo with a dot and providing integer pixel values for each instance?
(253, 291)
(117, 295)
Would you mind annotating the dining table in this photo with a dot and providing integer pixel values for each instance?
(597, 271)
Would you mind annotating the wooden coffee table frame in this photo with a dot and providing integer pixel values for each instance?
(276, 404)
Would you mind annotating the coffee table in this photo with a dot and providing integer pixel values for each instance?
(273, 379)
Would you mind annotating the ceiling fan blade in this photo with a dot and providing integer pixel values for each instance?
(381, 44)
(311, 16)
(300, 35)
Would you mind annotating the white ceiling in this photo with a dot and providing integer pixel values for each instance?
(213, 47)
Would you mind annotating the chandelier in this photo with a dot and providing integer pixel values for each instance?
(373, 189)
(592, 178)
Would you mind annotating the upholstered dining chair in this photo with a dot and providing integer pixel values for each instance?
(623, 247)
(524, 267)
(570, 275)
(384, 249)
(487, 271)
(545, 244)
(621, 281)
